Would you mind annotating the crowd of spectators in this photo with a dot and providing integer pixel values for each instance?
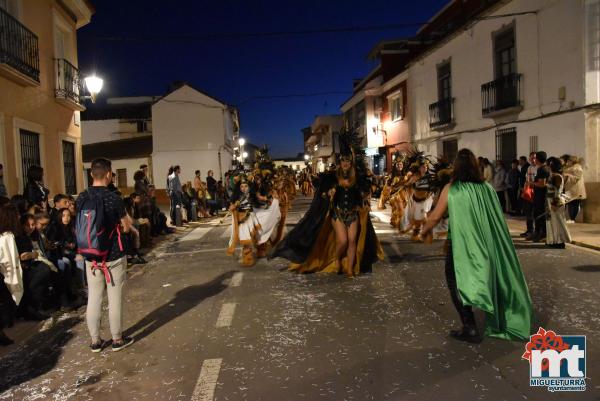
(42, 271)
(198, 199)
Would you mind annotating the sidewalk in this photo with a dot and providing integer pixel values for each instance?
(584, 235)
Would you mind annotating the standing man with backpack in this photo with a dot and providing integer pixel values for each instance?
(101, 217)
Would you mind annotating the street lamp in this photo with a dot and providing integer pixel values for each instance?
(306, 157)
(241, 142)
(94, 86)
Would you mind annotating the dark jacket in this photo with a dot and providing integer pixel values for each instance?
(36, 194)
(211, 185)
(523, 175)
(141, 187)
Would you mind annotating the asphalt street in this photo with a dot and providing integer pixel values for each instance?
(208, 329)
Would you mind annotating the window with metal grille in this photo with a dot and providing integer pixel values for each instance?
(68, 149)
(506, 145)
(122, 177)
(533, 143)
(30, 152)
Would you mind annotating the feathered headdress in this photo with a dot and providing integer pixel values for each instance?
(350, 148)
(263, 162)
(415, 159)
(441, 174)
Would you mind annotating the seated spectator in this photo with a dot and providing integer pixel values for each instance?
(188, 197)
(112, 187)
(62, 296)
(201, 193)
(61, 235)
(21, 203)
(141, 218)
(158, 220)
(132, 243)
(3, 191)
(71, 207)
(11, 283)
(61, 201)
(141, 185)
(36, 273)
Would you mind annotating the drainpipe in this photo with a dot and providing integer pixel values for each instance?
(220, 166)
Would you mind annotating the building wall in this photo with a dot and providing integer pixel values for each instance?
(94, 131)
(35, 108)
(131, 165)
(98, 131)
(188, 120)
(544, 69)
(190, 129)
(294, 165)
(557, 50)
(396, 131)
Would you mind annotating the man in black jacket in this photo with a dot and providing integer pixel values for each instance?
(523, 166)
(211, 185)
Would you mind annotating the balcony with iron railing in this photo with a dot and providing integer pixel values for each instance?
(502, 96)
(19, 51)
(441, 114)
(69, 85)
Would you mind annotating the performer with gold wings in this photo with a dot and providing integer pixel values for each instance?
(400, 192)
(336, 234)
(256, 212)
(420, 199)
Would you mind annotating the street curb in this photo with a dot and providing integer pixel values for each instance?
(585, 245)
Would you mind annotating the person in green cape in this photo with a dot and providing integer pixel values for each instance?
(482, 268)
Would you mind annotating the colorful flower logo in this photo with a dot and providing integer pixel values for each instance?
(544, 340)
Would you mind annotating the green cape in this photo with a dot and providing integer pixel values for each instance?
(488, 272)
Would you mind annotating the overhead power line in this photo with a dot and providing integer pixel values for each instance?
(293, 95)
(267, 97)
(239, 35)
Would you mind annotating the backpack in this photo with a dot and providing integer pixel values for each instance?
(94, 238)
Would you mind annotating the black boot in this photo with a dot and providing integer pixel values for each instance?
(4, 340)
(468, 334)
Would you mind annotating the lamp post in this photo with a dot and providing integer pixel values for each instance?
(94, 86)
(241, 142)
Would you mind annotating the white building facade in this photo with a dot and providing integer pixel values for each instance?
(321, 145)
(185, 127)
(194, 131)
(524, 76)
(121, 131)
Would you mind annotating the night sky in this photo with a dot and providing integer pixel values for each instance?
(237, 70)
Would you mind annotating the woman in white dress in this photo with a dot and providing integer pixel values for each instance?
(10, 266)
(557, 232)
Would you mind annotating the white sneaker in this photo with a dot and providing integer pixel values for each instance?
(570, 221)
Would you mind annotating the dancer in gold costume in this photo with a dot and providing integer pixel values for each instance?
(336, 234)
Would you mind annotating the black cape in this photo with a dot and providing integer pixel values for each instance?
(299, 242)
